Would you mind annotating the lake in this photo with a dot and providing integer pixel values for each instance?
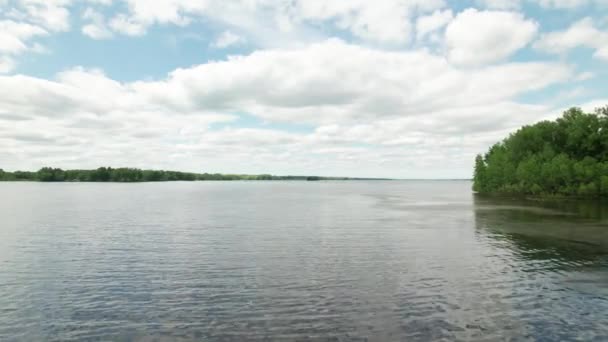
(336, 261)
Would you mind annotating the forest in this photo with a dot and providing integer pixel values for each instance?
(130, 175)
(564, 157)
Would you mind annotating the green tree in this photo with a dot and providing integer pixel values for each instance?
(480, 174)
(568, 156)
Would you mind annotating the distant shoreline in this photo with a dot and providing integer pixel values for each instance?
(134, 175)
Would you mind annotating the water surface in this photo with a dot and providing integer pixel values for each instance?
(344, 261)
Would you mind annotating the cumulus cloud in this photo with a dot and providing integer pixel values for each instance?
(369, 104)
(430, 23)
(545, 4)
(14, 35)
(590, 106)
(385, 22)
(479, 37)
(23, 21)
(582, 33)
(226, 39)
(407, 108)
(97, 28)
(6, 64)
(51, 14)
(342, 82)
(583, 76)
(15, 39)
(125, 25)
(564, 4)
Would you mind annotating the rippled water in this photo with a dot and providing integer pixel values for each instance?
(297, 260)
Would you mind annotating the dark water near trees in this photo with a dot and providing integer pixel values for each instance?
(297, 260)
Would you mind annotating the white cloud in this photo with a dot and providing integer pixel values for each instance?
(413, 110)
(6, 64)
(143, 13)
(587, 75)
(14, 35)
(123, 24)
(602, 53)
(10, 44)
(39, 48)
(52, 14)
(362, 108)
(96, 31)
(226, 39)
(590, 106)
(582, 33)
(431, 23)
(97, 28)
(479, 37)
(563, 4)
(15, 39)
(385, 22)
(23, 21)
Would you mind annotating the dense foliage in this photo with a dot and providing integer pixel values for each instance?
(568, 156)
(108, 174)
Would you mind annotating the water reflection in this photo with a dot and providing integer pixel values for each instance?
(567, 233)
(408, 261)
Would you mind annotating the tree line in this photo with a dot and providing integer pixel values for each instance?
(564, 157)
(129, 175)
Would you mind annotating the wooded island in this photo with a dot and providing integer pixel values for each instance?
(565, 157)
(131, 175)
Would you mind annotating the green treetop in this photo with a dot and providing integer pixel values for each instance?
(568, 156)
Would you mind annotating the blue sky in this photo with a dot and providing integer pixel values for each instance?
(394, 88)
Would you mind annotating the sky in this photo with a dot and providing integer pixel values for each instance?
(385, 88)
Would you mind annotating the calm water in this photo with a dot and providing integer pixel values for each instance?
(297, 261)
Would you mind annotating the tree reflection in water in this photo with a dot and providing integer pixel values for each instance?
(562, 234)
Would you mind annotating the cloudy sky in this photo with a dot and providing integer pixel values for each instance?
(384, 88)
